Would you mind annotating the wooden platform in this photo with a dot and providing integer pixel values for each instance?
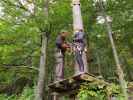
(72, 84)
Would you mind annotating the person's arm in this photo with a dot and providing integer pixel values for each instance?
(58, 41)
(65, 45)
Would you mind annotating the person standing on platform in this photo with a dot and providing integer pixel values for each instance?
(62, 46)
(79, 47)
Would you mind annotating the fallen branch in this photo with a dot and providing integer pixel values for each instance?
(10, 67)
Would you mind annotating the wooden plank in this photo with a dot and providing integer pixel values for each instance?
(71, 84)
(87, 77)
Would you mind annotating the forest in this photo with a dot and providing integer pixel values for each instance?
(31, 60)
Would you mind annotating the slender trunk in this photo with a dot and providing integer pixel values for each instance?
(41, 78)
(42, 73)
(98, 64)
(118, 65)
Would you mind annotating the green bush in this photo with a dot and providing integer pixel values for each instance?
(99, 92)
(27, 94)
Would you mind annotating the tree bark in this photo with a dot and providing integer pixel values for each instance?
(42, 69)
(115, 54)
(41, 78)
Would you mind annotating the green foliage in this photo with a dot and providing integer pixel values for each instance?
(99, 91)
(9, 75)
(27, 94)
(88, 91)
(113, 89)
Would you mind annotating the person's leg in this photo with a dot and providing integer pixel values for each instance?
(59, 66)
(78, 55)
(62, 66)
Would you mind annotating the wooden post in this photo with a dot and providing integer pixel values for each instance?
(73, 97)
(78, 25)
(55, 96)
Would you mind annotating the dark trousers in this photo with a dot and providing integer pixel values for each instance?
(60, 57)
(78, 56)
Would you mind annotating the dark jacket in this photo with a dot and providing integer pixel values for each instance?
(59, 41)
(79, 37)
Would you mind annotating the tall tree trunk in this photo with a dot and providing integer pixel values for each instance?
(41, 78)
(78, 24)
(42, 69)
(118, 65)
(98, 64)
